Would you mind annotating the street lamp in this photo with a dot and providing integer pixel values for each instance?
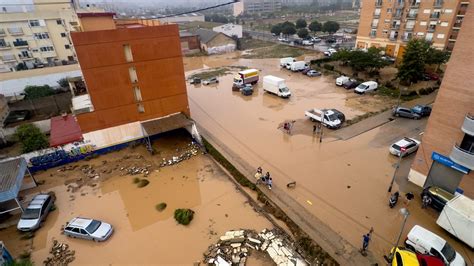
(405, 214)
(402, 151)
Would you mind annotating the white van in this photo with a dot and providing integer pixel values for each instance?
(276, 85)
(298, 66)
(341, 80)
(425, 242)
(366, 86)
(286, 60)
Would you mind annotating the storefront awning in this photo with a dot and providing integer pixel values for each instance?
(165, 124)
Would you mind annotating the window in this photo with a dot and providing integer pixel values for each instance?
(440, 36)
(426, 11)
(137, 93)
(375, 23)
(410, 24)
(373, 33)
(389, 10)
(141, 108)
(75, 230)
(133, 74)
(34, 23)
(63, 34)
(444, 24)
(67, 46)
(41, 36)
(377, 12)
(128, 52)
(68, 228)
(59, 22)
(83, 232)
(423, 23)
(429, 37)
(46, 48)
(448, 11)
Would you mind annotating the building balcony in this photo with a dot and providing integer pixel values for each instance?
(5, 46)
(414, 5)
(457, 25)
(468, 125)
(393, 38)
(462, 157)
(26, 57)
(374, 26)
(434, 17)
(376, 15)
(461, 12)
(409, 29)
(438, 4)
(15, 31)
(395, 27)
(20, 43)
(8, 58)
(397, 15)
(411, 16)
(431, 29)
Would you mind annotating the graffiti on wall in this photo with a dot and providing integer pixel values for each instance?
(68, 152)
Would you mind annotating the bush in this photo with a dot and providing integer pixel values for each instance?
(328, 67)
(389, 85)
(161, 206)
(33, 92)
(63, 83)
(31, 138)
(321, 60)
(183, 216)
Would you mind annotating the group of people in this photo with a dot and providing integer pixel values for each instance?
(287, 126)
(265, 179)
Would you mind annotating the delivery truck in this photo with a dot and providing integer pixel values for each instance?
(457, 217)
(249, 76)
(276, 85)
(298, 66)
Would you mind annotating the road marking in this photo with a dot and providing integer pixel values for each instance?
(309, 202)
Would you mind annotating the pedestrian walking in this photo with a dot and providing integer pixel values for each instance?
(270, 183)
(365, 244)
(314, 128)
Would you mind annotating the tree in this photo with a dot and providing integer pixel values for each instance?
(33, 92)
(288, 29)
(301, 23)
(436, 57)
(412, 66)
(63, 83)
(361, 61)
(315, 26)
(276, 29)
(330, 26)
(303, 33)
(31, 138)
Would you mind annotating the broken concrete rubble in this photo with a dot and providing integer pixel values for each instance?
(190, 151)
(234, 247)
(61, 254)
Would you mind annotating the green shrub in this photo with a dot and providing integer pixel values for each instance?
(328, 67)
(161, 206)
(34, 92)
(183, 216)
(31, 138)
(143, 183)
(423, 91)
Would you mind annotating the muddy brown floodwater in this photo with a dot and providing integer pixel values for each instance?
(142, 234)
(343, 183)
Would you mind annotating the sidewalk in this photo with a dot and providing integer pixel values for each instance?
(365, 125)
(340, 249)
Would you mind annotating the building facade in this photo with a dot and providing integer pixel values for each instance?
(257, 7)
(446, 155)
(390, 24)
(37, 34)
(131, 75)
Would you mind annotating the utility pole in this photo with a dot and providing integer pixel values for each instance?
(405, 214)
(402, 151)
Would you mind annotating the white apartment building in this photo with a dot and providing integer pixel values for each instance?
(36, 33)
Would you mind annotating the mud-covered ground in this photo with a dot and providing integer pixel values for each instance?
(142, 234)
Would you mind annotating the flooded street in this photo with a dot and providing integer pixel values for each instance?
(142, 234)
(343, 183)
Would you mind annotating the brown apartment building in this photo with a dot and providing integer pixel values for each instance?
(446, 155)
(131, 74)
(390, 24)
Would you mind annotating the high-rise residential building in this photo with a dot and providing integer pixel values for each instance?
(390, 24)
(133, 77)
(446, 155)
(36, 32)
(256, 6)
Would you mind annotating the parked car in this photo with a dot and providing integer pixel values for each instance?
(88, 229)
(305, 71)
(424, 241)
(17, 116)
(366, 87)
(307, 42)
(389, 59)
(246, 90)
(330, 52)
(422, 110)
(410, 145)
(210, 81)
(340, 80)
(404, 257)
(316, 39)
(428, 260)
(350, 84)
(405, 112)
(439, 197)
(196, 81)
(36, 212)
(430, 76)
(313, 73)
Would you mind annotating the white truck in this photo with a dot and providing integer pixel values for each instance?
(327, 117)
(286, 60)
(276, 85)
(249, 76)
(298, 66)
(457, 218)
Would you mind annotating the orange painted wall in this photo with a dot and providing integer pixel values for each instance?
(158, 62)
(97, 23)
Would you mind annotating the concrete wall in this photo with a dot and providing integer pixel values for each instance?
(157, 59)
(455, 99)
(190, 44)
(220, 44)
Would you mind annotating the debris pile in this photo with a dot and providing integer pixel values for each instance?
(234, 247)
(190, 151)
(136, 170)
(89, 171)
(61, 255)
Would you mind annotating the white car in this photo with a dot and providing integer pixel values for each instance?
(410, 145)
(330, 52)
(307, 42)
(340, 80)
(210, 81)
(366, 87)
(88, 229)
(36, 212)
(426, 242)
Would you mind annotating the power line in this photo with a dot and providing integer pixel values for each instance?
(201, 9)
